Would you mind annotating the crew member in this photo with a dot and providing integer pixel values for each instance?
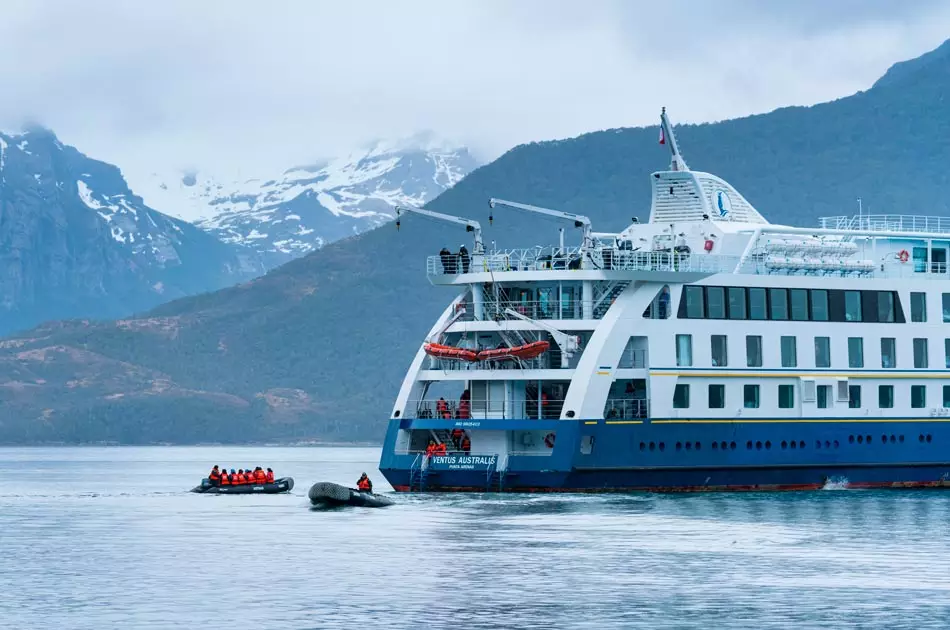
(363, 484)
(445, 256)
(270, 476)
(457, 435)
(215, 476)
(464, 259)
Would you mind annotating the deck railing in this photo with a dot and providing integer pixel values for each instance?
(626, 409)
(888, 223)
(485, 409)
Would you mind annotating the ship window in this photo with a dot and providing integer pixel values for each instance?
(918, 396)
(786, 396)
(842, 390)
(938, 260)
(852, 306)
(716, 302)
(854, 396)
(659, 308)
(684, 350)
(885, 306)
(778, 304)
(799, 300)
(824, 396)
(695, 305)
(718, 349)
(822, 352)
(717, 396)
(856, 352)
(946, 352)
(753, 350)
(919, 256)
(888, 352)
(946, 396)
(681, 396)
(750, 396)
(819, 305)
(921, 360)
(757, 303)
(946, 307)
(918, 307)
(789, 352)
(737, 308)
(885, 396)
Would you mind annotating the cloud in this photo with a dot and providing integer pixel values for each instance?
(228, 85)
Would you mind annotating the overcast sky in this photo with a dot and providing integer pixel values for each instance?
(228, 85)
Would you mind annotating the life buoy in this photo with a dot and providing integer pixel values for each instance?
(903, 255)
(549, 440)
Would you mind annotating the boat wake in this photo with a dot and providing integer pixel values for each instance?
(836, 483)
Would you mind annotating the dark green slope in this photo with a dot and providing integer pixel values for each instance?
(319, 346)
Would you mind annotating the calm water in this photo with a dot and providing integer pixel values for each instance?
(107, 537)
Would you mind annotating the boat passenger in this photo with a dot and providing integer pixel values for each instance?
(445, 255)
(465, 405)
(215, 476)
(457, 435)
(464, 259)
(260, 475)
(440, 449)
(242, 478)
(225, 477)
(466, 445)
(233, 477)
(430, 448)
(270, 476)
(363, 484)
(442, 408)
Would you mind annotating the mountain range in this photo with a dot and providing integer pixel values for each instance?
(318, 347)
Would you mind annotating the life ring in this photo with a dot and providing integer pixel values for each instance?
(903, 255)
(549, 440)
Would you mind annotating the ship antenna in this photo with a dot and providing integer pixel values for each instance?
(677, 163)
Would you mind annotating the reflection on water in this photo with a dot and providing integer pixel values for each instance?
(108, 537)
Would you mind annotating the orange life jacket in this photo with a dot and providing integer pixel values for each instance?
(214, 476)
(241, 479)
(441, 406)
(363, 484)
(225, 480)
(440, 449)
(457, 433)
(261, 477)
(466, 444)
(269, 477)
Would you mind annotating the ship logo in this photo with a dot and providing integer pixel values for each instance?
(723, 203)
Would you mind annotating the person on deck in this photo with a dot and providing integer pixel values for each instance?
(466, 445)
(269, 478)
(457, 435)
(465, 405)
(445, 256)
(464, 259)
(442, 409)
(215, 476)
(430, 449)
(440, 449)
(363, 484)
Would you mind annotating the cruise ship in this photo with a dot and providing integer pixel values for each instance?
(704, 350)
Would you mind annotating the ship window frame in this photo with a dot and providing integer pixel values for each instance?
(946, 352)
(737, 309)
(918, 306)
(681, 396)
(720, 396)
(694, 298)
(946, 396)
(853, 312)
(723, 359)
(945, 304)
(854, 396)
(789, 359)
(823, 301)
(918, 396)
(758, 299)
(888, 351)
(885, 396)
(776, 304)
(719, 303)
(826, 350)
(786, 396)
(749, 351)
(921, 353)
(684, 360)
(823, 396)
(798, 305)
(886, 310)
(852, 363)
(751, 396)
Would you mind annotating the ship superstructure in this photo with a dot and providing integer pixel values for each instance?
(704, 349)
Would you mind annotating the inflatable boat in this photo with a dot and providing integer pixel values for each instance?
(326, 494)
(284, 484)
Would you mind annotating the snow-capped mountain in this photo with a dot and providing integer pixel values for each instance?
(287, 216)
(75, 241)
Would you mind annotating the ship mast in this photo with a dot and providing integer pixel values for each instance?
(677, 163)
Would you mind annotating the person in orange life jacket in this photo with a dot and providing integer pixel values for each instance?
(225, 477)
(457, 435)
(465, 405)
(270, 476)
(466, 445)
(430, 449)
(261, 476)
(442, 408)
(215, 476)
(241, 478)
(363, 484)
(440, 449)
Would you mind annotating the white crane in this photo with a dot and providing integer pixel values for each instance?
(470, 224)
(580, 221)
(569, 344)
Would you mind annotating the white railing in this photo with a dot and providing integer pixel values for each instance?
(484, 409)
(887, 223)
(626, 409)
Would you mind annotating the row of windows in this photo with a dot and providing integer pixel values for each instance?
(719, 351)
(751, 396)
(785, 444)
(816, 305)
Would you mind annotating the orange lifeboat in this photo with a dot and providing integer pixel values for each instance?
(527, 351)
(441, 351)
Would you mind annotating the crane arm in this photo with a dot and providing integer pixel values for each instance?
(579, 220)
(470, 224)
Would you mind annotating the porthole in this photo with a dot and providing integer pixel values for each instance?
(793, 445)
(850, 439)
(893, 439)
(758, 446)
(748, 445)
(689, 446)
(868, 439)
(679, 446)
(732, 445)
(397, 414)
(723, 446)
(784, 445)
(920, 438)
(715, 445)
(836, 443)
(900, 438)
(768, 444)
(662, 446)
(860, 439)
(801, 444)
(643, 446)
(884, 439)
(817, 443)
(652, 446)
(929, 438)
(570, 414)
(698, 446)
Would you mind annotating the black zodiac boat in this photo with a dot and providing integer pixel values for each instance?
(324, 493)
(284, 484)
